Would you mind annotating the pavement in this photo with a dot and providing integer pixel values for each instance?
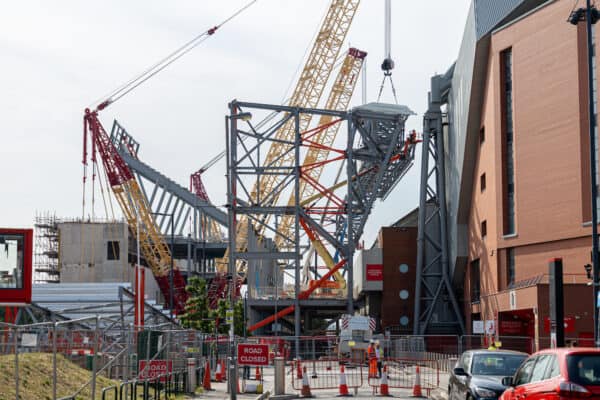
(219, 391)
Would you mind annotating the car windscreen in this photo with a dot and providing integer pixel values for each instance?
(496, 364)
(584, 369)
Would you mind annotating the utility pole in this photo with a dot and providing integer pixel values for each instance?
(590, 15)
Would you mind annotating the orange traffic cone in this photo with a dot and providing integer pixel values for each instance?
(383, 385)
(305, 392)
(219, 372)
(223, 370)
(417, 392)
(206, 383)
(343, 386)
(257, 374)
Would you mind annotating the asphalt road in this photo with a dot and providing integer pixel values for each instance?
(219, 391)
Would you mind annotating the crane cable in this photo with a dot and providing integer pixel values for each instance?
(388, 63)
(133, 83)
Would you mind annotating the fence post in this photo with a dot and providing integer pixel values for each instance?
(16, 340)
(95, 351)
(54, 325)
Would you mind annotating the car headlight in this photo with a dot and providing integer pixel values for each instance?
(485, 393)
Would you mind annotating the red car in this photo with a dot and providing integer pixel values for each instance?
(565, 373)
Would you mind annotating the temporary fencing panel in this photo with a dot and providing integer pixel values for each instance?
(325, 374)
(402, 373)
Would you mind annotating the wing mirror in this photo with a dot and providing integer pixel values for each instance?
(459, 371)
(507, 381)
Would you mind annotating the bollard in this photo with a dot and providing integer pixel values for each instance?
(279, 376)
(191, 375)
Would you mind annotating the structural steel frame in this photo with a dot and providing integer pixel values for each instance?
(377, 154)
(433, 286)
(179, 201)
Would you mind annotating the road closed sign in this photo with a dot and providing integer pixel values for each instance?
(155, 369)
(253, 354)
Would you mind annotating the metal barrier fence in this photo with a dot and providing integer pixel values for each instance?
(103, 349)
(402, 374)
(108, 349)
(325, 374)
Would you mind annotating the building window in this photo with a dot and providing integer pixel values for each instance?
(482, 182)
(508, 162)
(12, 261)
(475, 282)
(113, 250)
(510, 266)
(482, 135)
(483, 229)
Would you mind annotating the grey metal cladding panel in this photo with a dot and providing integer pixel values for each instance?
(488, 13)
(458, 114)
(391, 110)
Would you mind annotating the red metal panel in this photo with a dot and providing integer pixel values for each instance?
(22, 295)
(374, 272)
(155, 369)
(253, 354)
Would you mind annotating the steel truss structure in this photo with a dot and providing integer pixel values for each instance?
(376, 153)
(165, 196)
(436, 307)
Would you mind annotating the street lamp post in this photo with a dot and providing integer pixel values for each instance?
(591, 15)
(230, 145)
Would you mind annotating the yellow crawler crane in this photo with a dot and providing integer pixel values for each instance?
(307, 94)
(313, 164)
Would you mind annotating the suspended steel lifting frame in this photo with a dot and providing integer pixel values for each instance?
(377, 153)
(435, 301)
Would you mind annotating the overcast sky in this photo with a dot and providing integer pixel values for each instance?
(57, 57)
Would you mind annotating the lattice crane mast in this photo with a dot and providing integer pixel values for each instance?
(135, 208)
(307, 93)
(197, 187)
(132, 201)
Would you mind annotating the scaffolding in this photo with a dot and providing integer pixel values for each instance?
(46, 255)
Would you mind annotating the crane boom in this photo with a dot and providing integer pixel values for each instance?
(307, 93)
(136, 211)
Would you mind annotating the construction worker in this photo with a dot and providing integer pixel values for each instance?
(379, 358)
(372, 358)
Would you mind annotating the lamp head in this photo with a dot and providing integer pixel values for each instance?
(588, 270)
(576, 16)
(245, 116)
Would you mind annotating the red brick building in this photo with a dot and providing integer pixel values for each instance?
(523, 193)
